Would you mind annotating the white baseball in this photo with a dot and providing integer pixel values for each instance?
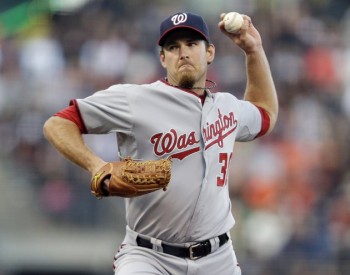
(233, 22)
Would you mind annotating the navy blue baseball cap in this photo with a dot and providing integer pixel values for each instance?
(184, 20)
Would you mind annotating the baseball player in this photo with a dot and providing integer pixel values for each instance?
(185, 229)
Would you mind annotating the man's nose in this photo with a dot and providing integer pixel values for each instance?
(184, 52)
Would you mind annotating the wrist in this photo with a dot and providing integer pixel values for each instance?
(256, 50)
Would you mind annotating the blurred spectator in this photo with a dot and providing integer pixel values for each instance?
(104, 54)
(41, 59)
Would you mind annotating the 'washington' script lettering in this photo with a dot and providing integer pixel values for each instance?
(165, 143)
(217, 131)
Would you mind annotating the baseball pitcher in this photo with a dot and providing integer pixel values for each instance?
(175, 139)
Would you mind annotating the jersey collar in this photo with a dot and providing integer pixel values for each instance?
(207, 91)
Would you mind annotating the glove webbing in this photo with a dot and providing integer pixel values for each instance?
(146, 172)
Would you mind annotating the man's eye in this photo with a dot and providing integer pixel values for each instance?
(172, 47)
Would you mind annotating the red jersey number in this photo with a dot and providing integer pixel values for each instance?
(224, 159)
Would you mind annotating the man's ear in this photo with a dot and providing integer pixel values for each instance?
(210, 53)
(162, 59)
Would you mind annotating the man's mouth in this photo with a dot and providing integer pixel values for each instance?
(186, 66)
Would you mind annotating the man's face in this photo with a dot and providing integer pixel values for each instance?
(186, 56)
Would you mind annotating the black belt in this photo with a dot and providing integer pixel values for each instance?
(193, 252)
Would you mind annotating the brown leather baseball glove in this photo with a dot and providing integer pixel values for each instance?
(129, 178)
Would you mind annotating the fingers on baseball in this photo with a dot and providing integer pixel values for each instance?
(247, 23)
(221, 22)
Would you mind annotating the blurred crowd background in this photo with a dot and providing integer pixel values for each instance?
(290, 191)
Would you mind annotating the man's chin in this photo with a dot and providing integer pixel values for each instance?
(186, 84)
(187, 81)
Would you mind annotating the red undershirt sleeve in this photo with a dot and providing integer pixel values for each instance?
(265, 122)
(72, 113)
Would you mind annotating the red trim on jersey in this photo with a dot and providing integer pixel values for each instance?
(201, 97)
(265, 122)
(72, 113)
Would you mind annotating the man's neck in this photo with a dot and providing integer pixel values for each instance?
(199, 88)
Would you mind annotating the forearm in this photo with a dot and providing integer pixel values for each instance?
(260, 88)
(65, 136)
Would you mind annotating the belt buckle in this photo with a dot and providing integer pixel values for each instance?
(192, 257)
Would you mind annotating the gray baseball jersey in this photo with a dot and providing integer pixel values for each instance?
(156, 120)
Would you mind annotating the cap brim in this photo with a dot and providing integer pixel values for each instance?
(162, 39)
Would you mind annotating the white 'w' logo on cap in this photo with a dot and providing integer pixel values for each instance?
(179, 18)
